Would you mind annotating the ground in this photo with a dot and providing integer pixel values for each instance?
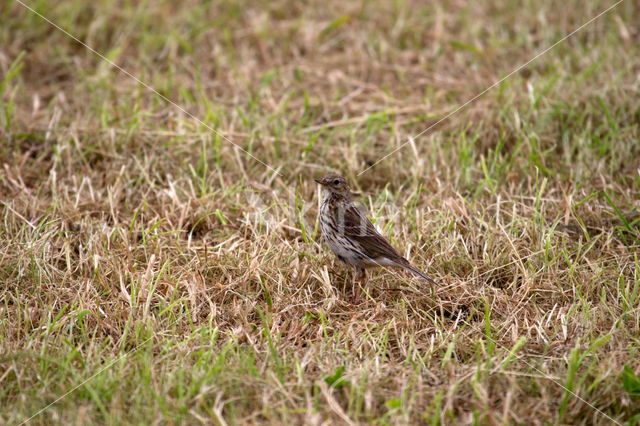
(161, 263)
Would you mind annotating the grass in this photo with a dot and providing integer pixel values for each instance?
(137, 244)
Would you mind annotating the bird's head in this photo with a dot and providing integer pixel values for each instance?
(335, 184)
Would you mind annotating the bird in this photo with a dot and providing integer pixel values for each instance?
(352, 237)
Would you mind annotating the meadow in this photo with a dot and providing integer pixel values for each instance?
(160, 256)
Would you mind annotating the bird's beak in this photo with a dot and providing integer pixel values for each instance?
(320, 181)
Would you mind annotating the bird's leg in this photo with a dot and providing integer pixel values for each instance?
(359, 280)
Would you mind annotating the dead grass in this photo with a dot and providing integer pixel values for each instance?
(135, 239)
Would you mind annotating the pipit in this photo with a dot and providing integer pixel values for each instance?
(352, 237)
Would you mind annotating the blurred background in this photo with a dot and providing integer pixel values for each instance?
(130, 229)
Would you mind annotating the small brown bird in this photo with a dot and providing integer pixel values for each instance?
(352, 237)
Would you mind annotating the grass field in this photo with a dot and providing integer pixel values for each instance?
(145, 252)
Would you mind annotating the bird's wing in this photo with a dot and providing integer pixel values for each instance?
(360, 229)
(357, 227)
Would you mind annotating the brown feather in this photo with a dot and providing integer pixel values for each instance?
(360, 229)
(351, 236)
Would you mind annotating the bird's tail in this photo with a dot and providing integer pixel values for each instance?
(418, 273)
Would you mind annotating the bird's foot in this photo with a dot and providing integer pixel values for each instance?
(356, 299)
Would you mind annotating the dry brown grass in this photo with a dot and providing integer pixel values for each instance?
(138, 244)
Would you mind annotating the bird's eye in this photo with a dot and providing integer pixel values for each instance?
(336, 182)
